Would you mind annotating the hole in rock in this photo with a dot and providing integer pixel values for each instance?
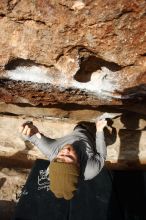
(2, 181)
(91, 64)
(13, 64)
(143, 55)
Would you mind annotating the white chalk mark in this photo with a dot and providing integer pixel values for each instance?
(103, 82)
(32, 74)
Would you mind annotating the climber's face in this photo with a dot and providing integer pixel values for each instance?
(67, 155)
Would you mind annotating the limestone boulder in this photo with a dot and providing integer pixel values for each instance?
(81, 52)
(62, 62)
(11, 183)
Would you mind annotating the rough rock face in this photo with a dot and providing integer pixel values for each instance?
(83, 52)
(125, 136)
(62, 62)
(11, 183)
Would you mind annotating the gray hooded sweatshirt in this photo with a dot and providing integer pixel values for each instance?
(91, 151)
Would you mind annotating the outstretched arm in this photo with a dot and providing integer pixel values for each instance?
(96, 163)
(31, 133)
(100, 139)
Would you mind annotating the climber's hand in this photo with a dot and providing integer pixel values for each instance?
(28, 129)
(100, 124)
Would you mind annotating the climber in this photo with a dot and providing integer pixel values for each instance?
(74, 157)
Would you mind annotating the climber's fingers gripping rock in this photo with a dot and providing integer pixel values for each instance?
(28, 129)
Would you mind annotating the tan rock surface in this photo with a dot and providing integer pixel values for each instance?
(125, 137)
(73, 60)
(11, 183)
(80, 52)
